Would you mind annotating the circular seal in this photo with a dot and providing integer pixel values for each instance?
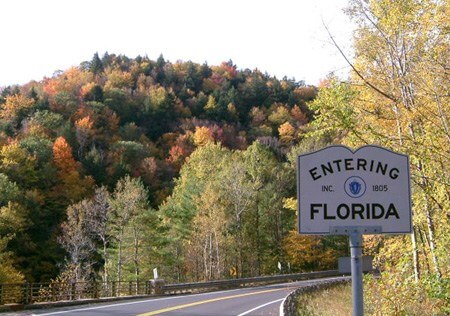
(355, 187)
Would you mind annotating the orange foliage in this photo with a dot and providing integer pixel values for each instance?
(69, 81)
(298, 115)
(84, 123)
(287, 132)
(62, 156)
(73, 186)
(307, 253)
(86, 89)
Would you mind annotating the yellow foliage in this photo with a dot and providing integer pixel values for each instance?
(202, 136)
(307, 253)
(118, 79)
(287, 132)
(14, 105)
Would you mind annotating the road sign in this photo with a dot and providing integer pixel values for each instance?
(367, 188)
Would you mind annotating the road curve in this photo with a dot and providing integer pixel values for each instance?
(262, 300)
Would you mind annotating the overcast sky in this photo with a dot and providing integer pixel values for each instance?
(280, 37)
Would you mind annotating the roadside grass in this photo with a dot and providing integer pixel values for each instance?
(331, 301)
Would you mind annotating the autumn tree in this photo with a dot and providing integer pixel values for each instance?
(181, 207)
(12, 221)
(77, 241)
(84, 132)
(16, 108)
(98, 220)
(128, 202)
(19, 165)
(202, 135)
(287, 133)
(73, 186)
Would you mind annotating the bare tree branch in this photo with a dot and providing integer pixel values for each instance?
(354, 68)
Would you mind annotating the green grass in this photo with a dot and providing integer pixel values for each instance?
(332, 301)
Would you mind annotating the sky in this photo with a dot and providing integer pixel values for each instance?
(280, 37)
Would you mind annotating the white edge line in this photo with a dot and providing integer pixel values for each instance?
(282, 305)
(258, 307)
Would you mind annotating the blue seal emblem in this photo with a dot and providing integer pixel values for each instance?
(355, 187)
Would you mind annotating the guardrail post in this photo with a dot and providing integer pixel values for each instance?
(31, 293)
(94, 286)
(147, 287)
(26, 292)
(73, 291)
(157, 286)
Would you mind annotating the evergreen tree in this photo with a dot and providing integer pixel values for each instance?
(96, 65)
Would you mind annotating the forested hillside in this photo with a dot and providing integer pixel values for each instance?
(91, 156)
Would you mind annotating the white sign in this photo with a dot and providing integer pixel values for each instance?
(338, 187)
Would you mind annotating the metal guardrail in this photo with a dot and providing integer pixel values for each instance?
(242, 282)
(29, 293)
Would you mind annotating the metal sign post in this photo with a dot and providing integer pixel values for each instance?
(355, 236)
(357, 276)
(354, 192)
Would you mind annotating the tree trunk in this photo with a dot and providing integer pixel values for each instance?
(415, 253)
(430, 226)
(119, 257)
(136, 257)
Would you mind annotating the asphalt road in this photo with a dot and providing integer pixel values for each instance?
(263, 300)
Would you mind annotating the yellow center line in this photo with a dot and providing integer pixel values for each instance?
(169, 309)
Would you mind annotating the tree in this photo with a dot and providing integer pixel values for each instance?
(202, 136)
(8, 190)
(128, 201)
(287, 133)
(98, 217)
(398, 97)
(209, 237)
(83, 132)
(16, 108)
(18, 165)
(309, 253)
(8, 271)
(72, 186)
(406, 43)
(77, 241)
(96, 65)
(181, 207)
